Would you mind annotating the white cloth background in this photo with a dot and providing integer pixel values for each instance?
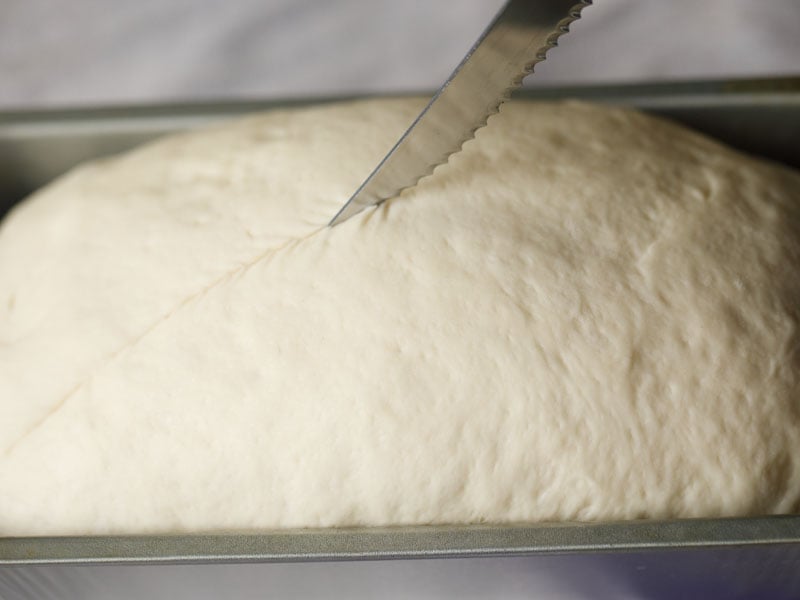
(93, 52)
(115, 51)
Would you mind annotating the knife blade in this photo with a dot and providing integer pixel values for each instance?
(517, 38)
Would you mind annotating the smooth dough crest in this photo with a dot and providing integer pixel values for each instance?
(588, 314)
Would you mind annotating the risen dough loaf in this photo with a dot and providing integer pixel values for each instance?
(588, 314)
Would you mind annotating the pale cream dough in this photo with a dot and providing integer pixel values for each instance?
(588, 314)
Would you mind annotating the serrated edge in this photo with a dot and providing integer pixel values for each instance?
(562, 27)
(551, 41)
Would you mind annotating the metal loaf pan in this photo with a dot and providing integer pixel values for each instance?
(759, 117)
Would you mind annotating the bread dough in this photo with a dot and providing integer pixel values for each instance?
(588, 314)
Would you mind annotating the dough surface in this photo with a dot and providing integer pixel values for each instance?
(588, 314)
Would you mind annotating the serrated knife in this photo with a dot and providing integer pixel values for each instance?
(518, 38)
